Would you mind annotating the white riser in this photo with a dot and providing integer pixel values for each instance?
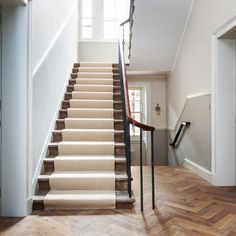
(86, 148)
(82, 180)
(96, 69)
(90, 113)
(88, 135)
(95, 75)
(93, 88)
(81, 163)
(95, 64)
(91, 103)
(73, 123)
(94, 81)
(79, 199)
(93, 95)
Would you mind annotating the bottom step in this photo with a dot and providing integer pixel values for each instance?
(82, 200)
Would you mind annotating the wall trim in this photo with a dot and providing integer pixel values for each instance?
(49, 134)
(199, 170)
(53, 42)
(227, 26)
(191, 96)
(182, 37)
(160, 74)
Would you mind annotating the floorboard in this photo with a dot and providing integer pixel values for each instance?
(186, 205)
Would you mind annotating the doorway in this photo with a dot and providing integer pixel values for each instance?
(224, 106)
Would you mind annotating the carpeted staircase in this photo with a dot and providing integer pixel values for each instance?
(86, 166)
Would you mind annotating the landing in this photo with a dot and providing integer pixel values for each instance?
(186, 205)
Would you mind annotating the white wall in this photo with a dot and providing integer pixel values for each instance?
(192, 73)
(54, 50)
(224, 113)
(98, 52)
(157, 31)
(14, 110)
(40, 45)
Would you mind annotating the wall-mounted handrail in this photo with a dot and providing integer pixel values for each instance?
(128, 119)
(183, 126)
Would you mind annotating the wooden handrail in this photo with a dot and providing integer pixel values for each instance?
(126, 91)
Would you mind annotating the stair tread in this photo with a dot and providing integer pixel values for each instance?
(118, 175)
(83, 157)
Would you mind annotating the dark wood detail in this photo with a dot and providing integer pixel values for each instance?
(75, 70)
(63, 114)
(60, 124)
(70, 88)
(65, 104)
(118, 125)
(57, 136)
(118, 114)
(76, 65)
(123, 201)
(52, 149)
(74, 76)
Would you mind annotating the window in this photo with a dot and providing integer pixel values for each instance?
(100, 19)
(137, 101)
(86, 19)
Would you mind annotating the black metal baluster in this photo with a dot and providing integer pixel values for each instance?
(153, 177)
(126, 130)
(141, 169)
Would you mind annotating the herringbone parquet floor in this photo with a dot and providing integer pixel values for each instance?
(186, 205)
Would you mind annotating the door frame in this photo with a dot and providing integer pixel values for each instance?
(223, 106)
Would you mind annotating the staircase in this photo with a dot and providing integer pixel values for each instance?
(85, 167)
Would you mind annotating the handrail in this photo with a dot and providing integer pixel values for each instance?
(179, 134)
(127, 118)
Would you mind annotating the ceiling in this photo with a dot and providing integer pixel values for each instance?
(13, 2)
(157, 32)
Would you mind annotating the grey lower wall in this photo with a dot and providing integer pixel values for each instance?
(160, 149)
(195, 145)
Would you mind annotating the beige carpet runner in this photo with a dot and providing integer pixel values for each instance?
(84, 176)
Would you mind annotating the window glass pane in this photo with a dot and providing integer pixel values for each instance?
(87, 8)
(122, 9)
(135, 106)
(134, 95)
(110, 30)
(109, 9)
(134, 131)
(136, 116)
(86, 32)
(114, 13)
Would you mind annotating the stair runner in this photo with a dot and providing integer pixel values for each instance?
(83, 154)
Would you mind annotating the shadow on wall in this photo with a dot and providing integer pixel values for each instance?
(196, 143)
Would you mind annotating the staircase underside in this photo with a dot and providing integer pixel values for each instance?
(85, 167)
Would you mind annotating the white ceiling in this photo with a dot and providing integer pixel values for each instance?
(13, 2)
(157, 31)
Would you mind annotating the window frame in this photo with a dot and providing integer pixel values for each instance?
(97, 23)
(143, 105)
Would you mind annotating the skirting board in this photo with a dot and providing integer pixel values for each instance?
(199, 170)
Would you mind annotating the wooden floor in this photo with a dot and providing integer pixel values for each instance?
(186, 205)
